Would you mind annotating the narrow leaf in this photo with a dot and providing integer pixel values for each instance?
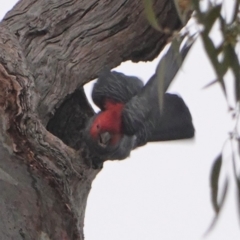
(222, 23)
(236, 11)
(238, 196)
(176, 51)
(215, 172)
(4, 176)
(197, 9)
(160, 72)
(225, 189)
(210, 50)
(225, 64)
(215, 219)
(210, 84)
(236, 179)
(184, 8)
(148, 7)
(213, 56)
(169, 65)
(211, 17)
(164, 66)
(234, 64)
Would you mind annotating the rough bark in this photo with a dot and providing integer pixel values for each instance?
(48, 50)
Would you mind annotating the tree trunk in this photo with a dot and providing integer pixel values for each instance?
(48, 51)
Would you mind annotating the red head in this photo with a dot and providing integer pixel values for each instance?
(109, 120)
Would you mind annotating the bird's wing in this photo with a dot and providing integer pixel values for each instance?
(116, 87)
(142, 115)
(174, 122)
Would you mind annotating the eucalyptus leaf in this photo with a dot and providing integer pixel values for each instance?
(213, 56)
(210, 84)
(236, 176)
(151, 17)
(215, 219)
(238, 196)
(210, 17)
(236, 11)
(234, 64)
(4, 176)
(160, 73)
(215, 173)
(225, 63)
(183, 9)
(197, 8)
(164, 69)
(169, 65)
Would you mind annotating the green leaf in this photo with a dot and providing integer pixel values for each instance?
(235, 174)
(225, 64)
(215, 172)
(222, 23)
(211, 50)
(183, 14)
(210, 17)
(160, 72)
(197, 8)
(4, 176)
(169, 66)
(236, 8)
(148, 7)
(163, 68)
(238, 195)
(212, 53)
(215, 219)
(234, 64)
(176, 43)
(210, 84)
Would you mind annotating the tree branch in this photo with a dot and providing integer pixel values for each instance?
(48, 50)
(67, 43)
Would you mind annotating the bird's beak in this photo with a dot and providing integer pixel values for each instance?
(104, 138)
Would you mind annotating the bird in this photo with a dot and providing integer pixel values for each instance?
(130, 112)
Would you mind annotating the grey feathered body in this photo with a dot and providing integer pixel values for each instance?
(141, 117)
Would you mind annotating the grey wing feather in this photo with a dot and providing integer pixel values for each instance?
(115, 86)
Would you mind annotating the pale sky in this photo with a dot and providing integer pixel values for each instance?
(162, 190)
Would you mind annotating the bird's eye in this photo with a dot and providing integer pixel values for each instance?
(98, 126)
